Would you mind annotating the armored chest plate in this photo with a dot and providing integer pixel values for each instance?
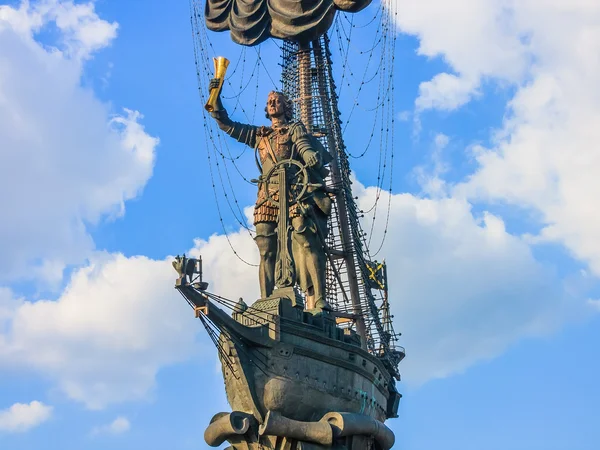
(281, 144)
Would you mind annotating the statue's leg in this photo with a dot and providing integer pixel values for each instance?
(320, 234)
(302, 276)
(266, 241)
(314, 258)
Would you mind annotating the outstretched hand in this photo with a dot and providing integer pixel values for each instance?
(312, 160)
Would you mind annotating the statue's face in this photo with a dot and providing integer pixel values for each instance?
(275, 105)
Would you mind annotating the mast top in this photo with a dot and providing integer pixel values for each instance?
(251, 23)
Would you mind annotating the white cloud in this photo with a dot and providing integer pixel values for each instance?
(546, 156)
(464, 289)
(227, 274)
(22, 417)
(118, 426)
(116, 324)
(81, 30)
(430, 176)
(477, 38)
(65, 160)
(445, 92)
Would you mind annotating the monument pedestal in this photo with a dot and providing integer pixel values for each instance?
(335, 431)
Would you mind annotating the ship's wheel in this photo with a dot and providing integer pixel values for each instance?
(296, 179)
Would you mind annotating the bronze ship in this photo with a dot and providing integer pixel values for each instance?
(278, 358)
(313, 363)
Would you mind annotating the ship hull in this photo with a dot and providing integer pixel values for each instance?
(303, 376)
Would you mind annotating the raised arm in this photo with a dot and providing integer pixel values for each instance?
(244, 133)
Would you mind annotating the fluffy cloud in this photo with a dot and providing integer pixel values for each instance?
(118, 426)
(445, 92)
(64, 158)
(477, 38)
(463, 288)
(118, 321)
(81, 30)
(221, 265)
(67, 161)
(21, 417)
(545, 158)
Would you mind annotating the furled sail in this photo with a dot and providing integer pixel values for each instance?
(253, 21)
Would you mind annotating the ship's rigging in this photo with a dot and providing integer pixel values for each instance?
(307, 78)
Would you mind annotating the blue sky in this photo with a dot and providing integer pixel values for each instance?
(493, 241)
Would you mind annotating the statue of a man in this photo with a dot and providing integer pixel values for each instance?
(283, 140)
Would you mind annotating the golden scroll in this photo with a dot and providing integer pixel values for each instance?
(221, 64)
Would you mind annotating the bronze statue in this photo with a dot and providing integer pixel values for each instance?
(285, 140)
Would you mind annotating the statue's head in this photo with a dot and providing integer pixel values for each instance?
(278, 105)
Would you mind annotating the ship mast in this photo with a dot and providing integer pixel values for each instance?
(307, 79)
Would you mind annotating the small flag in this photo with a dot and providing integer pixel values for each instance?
(377, 275)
